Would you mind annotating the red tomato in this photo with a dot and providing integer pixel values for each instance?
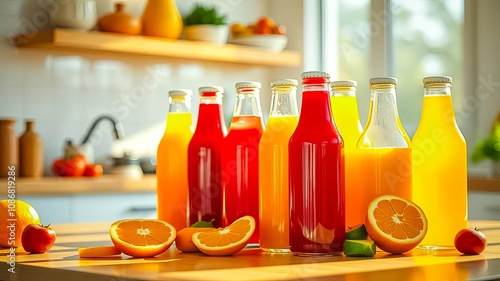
(470, 241)
(73, 167)
(37, 238)
(93, 170)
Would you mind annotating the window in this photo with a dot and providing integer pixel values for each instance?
(405, 39)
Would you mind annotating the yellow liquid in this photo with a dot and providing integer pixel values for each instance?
(171, 170)
(440, 172)
(346, 117)
(273, 183)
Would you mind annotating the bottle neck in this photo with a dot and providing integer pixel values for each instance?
(180, 105)
(316, 103)
(30, 125)
(437, 104)
(344, 92)
(284, 101)
(248, 102)
(210, 114)
(384, 127)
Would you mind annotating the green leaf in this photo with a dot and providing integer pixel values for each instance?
(203, 224)
(203, 15)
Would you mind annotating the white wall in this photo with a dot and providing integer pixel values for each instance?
(65, 92)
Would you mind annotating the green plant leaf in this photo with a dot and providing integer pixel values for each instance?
(204, 15)
(202, 224)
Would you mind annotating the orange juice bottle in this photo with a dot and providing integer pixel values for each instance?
(346, 116)
(384, 148)
(440, 166)
(273, 167)
(171, 165)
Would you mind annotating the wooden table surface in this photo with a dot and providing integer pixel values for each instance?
(62, 263)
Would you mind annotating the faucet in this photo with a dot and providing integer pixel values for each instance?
(117, 128)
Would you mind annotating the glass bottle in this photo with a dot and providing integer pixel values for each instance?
(316, 168)
(273, 166)
(385, 148)
(240, 157)
(30, 152)
(171, 165)
(204, 159)
(346, 117)
(440, 165)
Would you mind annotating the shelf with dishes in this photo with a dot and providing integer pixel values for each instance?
(94, 41)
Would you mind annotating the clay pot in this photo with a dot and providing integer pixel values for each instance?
(161, 18)
(30, 152)
(8, 148)
(120, 22)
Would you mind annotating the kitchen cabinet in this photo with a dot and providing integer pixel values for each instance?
(93, 207)
(82, 199)
(90, 42)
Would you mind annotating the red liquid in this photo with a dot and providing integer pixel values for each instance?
(317, 215)
(240, 161)
(204, 166)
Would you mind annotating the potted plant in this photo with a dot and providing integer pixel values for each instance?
(489, 148)
(205, 24)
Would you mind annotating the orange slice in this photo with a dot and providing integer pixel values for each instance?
(226, 241)
(98, 252)
(142, 238)
(395, 224)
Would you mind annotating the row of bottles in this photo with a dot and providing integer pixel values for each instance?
(25, 152)
(308, 176)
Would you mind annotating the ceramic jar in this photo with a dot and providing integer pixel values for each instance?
(75, 14)
(8, 146)
(161, 18)
(30, 152)
(120, 22)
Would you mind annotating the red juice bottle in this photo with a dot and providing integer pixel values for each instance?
(204, 159)
(316, 172)
(240, 157)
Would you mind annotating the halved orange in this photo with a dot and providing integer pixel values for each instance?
(395, 224)
(142, 238)
(226, 241)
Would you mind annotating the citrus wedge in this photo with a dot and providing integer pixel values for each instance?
(98, 252)
(226, 241)
(142, 238)
(395, 224)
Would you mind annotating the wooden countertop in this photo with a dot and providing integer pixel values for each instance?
(62, 263)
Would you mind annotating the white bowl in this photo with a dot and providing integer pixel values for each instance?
(207, 32)
(271, 42)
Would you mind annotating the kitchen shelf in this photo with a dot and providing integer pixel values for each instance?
(490, 184)
(91, 41)
(85, 185)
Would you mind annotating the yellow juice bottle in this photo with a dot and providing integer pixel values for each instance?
(273, 167)
(440, 166)
(346, 117)
(171, 164)
(384, 153)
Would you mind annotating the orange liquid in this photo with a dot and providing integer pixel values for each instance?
(171, 170)
(273, 183)
(440, 169)
(384, 171)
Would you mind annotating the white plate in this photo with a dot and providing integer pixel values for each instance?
(271, 42)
